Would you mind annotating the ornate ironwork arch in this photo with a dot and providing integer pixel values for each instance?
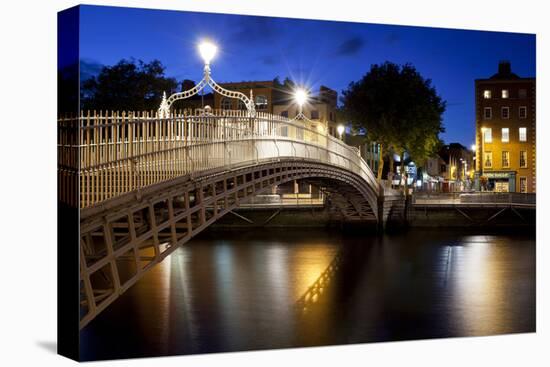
(164, 109)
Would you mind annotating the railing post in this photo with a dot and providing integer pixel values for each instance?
(278, 151)
(192, 168)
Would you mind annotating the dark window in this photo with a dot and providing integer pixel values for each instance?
(315, 115)
(522, 112)
(226, 104)
(505, 112)
(522, 93)
(261, 102)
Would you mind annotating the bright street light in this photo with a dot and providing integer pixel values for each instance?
(340, 130)
(300, 96)
(207, 50)
(473, 147)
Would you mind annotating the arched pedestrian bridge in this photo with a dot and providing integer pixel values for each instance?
(146, 184)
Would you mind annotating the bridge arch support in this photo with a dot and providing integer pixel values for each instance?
(124, 237)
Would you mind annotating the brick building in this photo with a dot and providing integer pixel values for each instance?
(506, 132)
(263, 92)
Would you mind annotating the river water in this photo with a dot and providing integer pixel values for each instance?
(262, 289)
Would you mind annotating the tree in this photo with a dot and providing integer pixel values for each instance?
(397, 108)
(67, 90)
(283, 92)
(128, 85)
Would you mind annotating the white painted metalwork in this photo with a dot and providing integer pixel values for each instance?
(164, 109)
(124, 152)
(146, 184)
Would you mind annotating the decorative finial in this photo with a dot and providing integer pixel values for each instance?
(164, 109)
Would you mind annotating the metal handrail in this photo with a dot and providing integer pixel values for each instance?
(116, 153)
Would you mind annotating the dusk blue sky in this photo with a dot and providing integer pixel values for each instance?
(310, 52)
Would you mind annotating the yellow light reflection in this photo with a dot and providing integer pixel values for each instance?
(477, 287)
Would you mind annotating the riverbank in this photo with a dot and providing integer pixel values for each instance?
(416, 217)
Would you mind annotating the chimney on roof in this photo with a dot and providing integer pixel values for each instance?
(504, 67)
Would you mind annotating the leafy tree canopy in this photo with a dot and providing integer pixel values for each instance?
(129, 85)
(398, 108)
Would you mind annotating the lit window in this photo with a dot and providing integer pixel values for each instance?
(522, 134)
(487, 94)
(523, 112)
(488, 135)
(522, 93)
(523, 184)
(315, 115)
(505, 112)
(488, 159)
(487, 113)
(505, 93)
(505, 159)
(226, 104)
(505, 135)
(261, 102)
(523, 159)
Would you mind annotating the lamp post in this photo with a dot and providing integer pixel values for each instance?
(473, 147)
(208, 51)
(481, 159)
(483, 129)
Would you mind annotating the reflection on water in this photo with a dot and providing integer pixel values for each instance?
(301, 288)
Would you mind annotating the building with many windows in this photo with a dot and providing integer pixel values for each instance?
(262, 91)
(506, 132)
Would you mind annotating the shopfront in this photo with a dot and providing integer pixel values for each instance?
(501, 181)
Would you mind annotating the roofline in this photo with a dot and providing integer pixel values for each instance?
(506, 80)
(248, 82)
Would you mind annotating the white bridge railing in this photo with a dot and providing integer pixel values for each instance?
(105, 155)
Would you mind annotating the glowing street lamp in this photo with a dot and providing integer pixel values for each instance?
(340, 129)
(207, 51)
(473, 147)
(300, 96)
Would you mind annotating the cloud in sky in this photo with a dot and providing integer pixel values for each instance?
(393, 38)
(351, 46)
(254, 30)
(270, 59)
